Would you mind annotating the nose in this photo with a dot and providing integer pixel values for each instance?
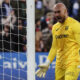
(56, 14)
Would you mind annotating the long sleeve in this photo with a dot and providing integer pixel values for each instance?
(76, 32)
(52, 52)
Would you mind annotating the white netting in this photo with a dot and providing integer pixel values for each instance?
(13, 40)
(13, 63)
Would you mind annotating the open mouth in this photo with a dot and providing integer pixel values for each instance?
(59, 19)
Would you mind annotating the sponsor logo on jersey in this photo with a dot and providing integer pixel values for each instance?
(62, 36)
(66, 27)
(57, 29)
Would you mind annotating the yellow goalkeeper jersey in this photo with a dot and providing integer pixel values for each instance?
(66, 43)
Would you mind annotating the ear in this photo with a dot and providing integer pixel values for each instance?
(65, 11)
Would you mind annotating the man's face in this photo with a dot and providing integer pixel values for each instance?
(59, 14)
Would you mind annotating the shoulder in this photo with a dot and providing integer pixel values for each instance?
(73, 21)
(75, 25)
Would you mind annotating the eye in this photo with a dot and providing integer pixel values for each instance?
(56, 12)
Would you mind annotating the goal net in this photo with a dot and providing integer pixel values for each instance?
(13, 65)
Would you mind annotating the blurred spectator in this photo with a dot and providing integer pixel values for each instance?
(38, 25)
(48, 5)
(43, 22)
(48, 18)
(76, 10)
(1, 1)
(66, 2)
(7, 20)
(22, 7)
(18, 37)
(8, 17)
(46, 33)
(71, 2)
(38, 34)
(22, 10)
(15, 5)
(7, 45)
(39, 4)
(19, 7)
(39, 11)
(38, 48)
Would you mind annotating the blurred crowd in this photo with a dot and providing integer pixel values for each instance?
(13, 26)
(13, 23)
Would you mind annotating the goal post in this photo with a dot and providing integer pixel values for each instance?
(30, 39)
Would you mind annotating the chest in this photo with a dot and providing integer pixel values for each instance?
(64, 31)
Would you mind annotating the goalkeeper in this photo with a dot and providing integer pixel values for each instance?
(65, 46)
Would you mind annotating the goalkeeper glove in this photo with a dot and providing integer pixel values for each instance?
(43, 69)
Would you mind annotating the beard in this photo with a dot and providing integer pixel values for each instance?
(60, 19)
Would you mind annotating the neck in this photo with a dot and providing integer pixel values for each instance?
(64, 19)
